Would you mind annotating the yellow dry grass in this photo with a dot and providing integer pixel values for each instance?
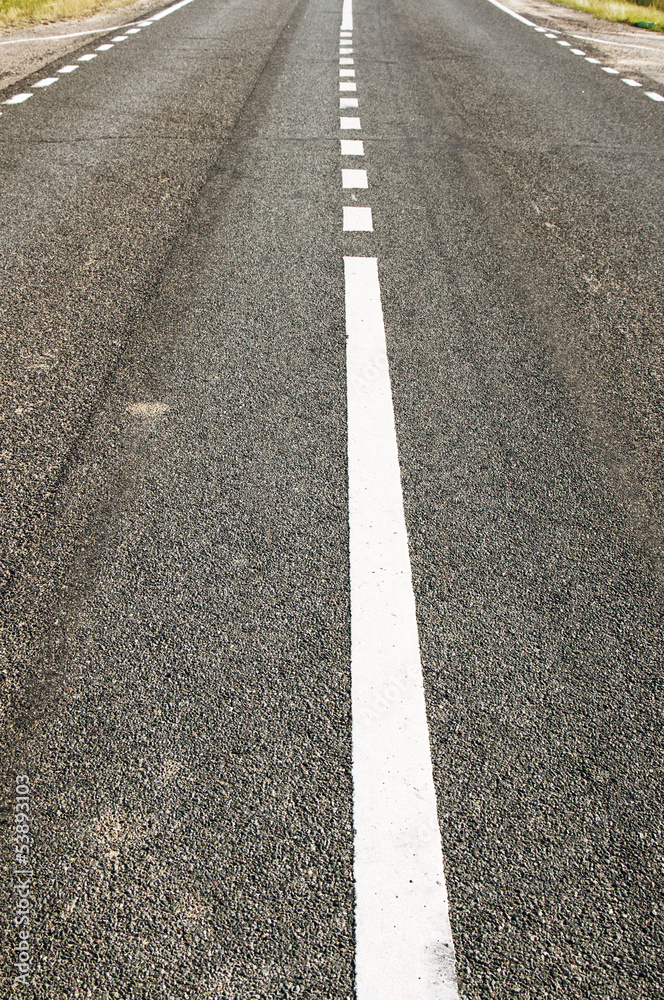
(620, 10)
(24, 13)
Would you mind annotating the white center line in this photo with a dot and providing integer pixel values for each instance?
(133, 31)
(17, 99)
(352, 147)
(121, 38)
(354, 179)
(346, 61)
(578, 52)
(404, 948)
(357, 220)
(562, 42)
(591, 59)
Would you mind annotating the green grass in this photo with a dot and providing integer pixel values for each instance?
(643, 15)
(23, 13)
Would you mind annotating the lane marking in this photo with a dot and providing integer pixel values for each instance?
(578, 52)
(47, 81)
(133, 31)
(611, 70)
(561, 41)
(624, 45)
(169, 10)
(352, 147)
(121, 38)
(87, 58)
(17, 99)
(348, 102)
(346, 61)
(347, 16)
(350, 123)
(354, 179)
(630, 82)
(591, 59)
(357, 220)
(346, 72)
(512, 13)
(104, 48)
(347, 85)
(72, 69)
(653, 95)
(404, 947)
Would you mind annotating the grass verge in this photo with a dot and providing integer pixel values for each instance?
(24, 13)
(641, 15)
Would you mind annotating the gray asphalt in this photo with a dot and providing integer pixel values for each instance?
(175, 616)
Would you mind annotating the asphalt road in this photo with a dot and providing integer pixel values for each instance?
(175, 558)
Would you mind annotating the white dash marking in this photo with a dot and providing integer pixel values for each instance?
(46, 82)
(352, 147)
(343, 51)
(611, 70)
(121, 38)
(17, 99)
(104, 48)
(591, 59)
(347, 16)
(550, 34)
(86, 58)
(630, 82)
(404, 947)
(71, 69)
(561, 41)
(354, 179)
(133, 31)
(346, 61)
(144, 24)
(653, 95)
(538, 28)
(578, 52)
(350, 123)
(357, 220)
(347, 85)
(346, 72)
(348, 102)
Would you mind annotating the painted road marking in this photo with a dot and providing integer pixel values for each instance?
(630, 82)
(345, 51)
(404, 947)
(354, 179)
(346, 61)
(104, 48)
(347, 16)
(17, 99)
(349, 123)
(611, 70)
(578, 52)
(133, 31)
(121, 38)
(653, 95)
(71, 69)
(348, 102)
(590, 59)
(357, 220)
(512, 13)
(47, 81)
(346, 72)
(549, 34)
(352, 147)
(86, 58)
(347, 85)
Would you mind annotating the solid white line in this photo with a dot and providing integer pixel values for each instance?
(345, 51)
(47, 81)
(350, 123)
(74, 34)
(357, 220)
(347, 16)
(404, 948)
(653, 95)
(562, 42)
(352, 147)
(169, 10)
(624, 45)
(512, 13)
(354, 179)
(550, 34)
(347, 85)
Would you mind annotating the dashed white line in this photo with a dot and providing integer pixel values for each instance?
(350, 123)
(346, 61)
(357, 220)
(404, 948)
(72, 69)
(347, 85)
(46, 82)
(346, 72)
(348, 102)
(512, 13)
(578, 52)
(630, 82)
(86, 58)
(17, 99)
(653, 95)
(591, 59)
(104, 48)
(354, 179)
(352, 147)
(611, 70)
(121, 38)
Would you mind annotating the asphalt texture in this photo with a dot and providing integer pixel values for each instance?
(175, 604)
